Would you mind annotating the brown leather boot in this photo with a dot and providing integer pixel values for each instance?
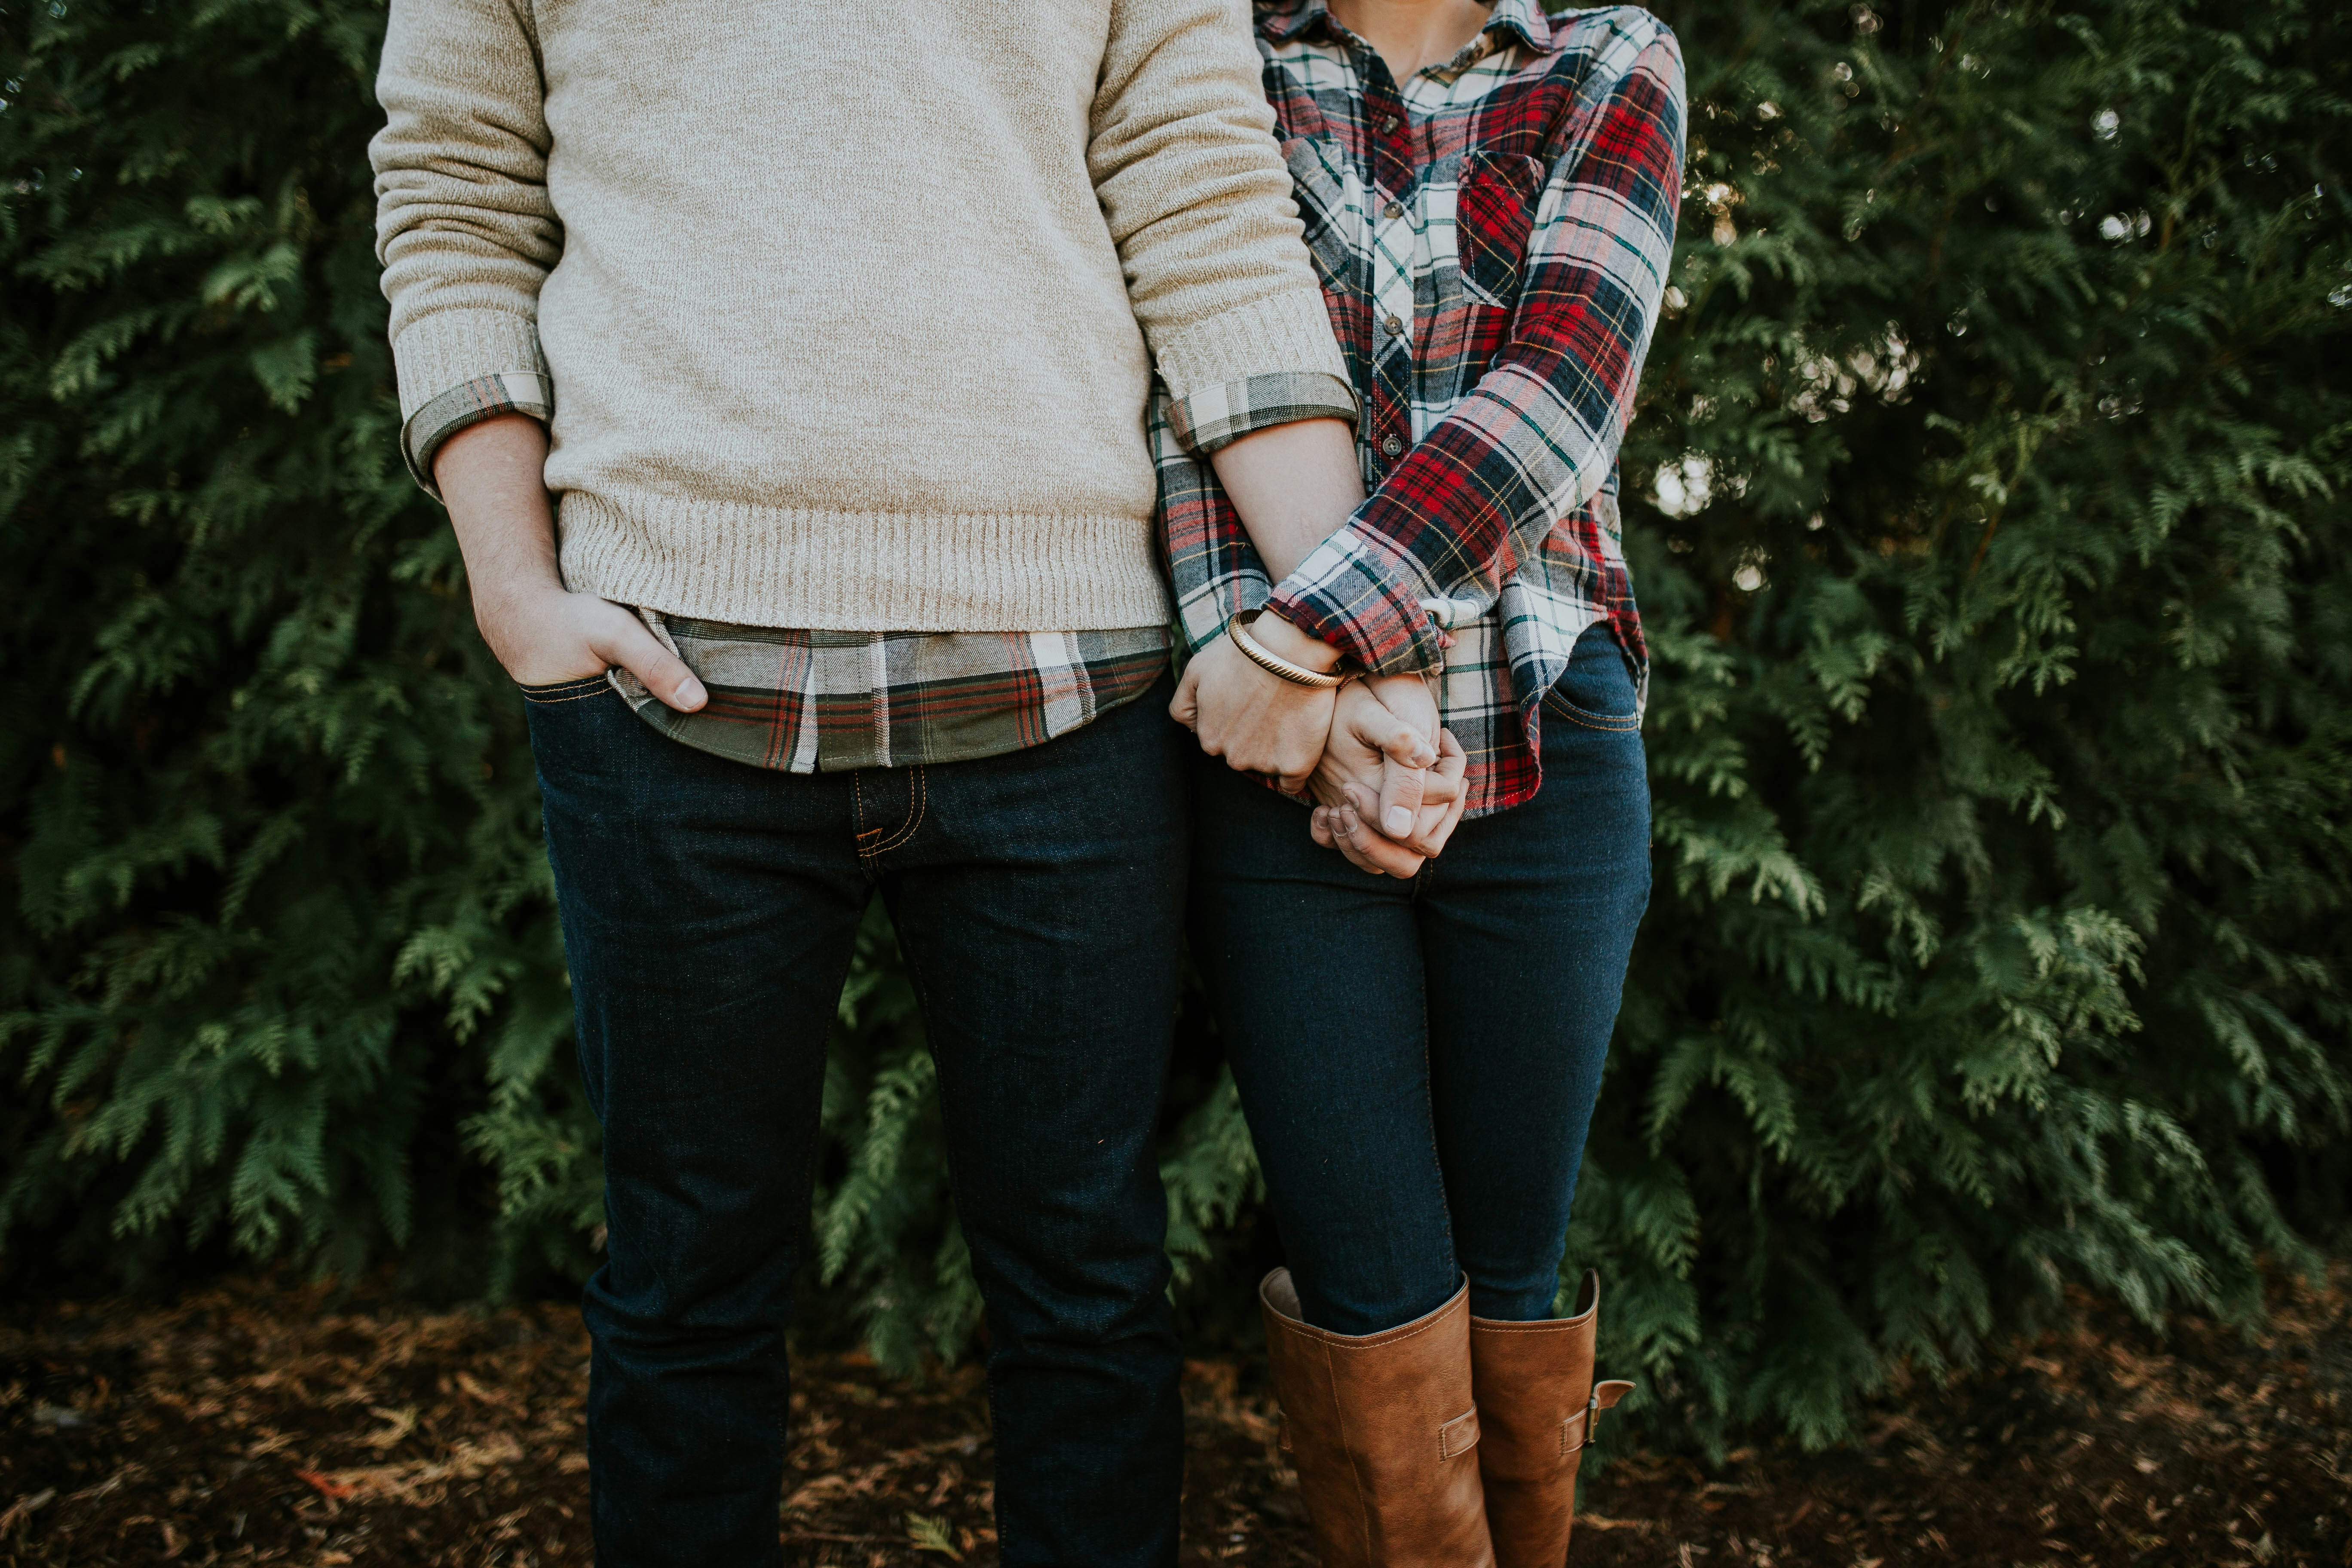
(1537, 1407)
(1383, 1433)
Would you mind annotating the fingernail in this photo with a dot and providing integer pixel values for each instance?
(1399, 821)
(691, 695)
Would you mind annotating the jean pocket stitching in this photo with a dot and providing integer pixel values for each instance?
(914, 820)
(568, 691)
(1617, 723)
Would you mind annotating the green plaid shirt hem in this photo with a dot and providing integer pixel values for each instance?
(813, 702)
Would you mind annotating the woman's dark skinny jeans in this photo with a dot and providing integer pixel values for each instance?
(709, 909)
(1419, 1060)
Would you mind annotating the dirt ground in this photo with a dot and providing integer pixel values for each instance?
(257, 1423)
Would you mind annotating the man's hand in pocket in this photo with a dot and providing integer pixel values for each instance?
(493, 478)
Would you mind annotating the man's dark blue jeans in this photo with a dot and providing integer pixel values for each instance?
(1419, 1060)
(709, 909)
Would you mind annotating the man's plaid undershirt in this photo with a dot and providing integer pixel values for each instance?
(807, 700)
(1493, 240)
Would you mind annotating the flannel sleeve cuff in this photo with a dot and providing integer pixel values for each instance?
(468, 404)
(1369, 600)
(1224, 412)
(1201, 615)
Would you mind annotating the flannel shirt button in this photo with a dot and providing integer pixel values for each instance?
(1394, 209)
(1391, 446)
(1395, 327)
(1389, 125)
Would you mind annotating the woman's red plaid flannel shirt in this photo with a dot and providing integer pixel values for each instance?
(1493, 240)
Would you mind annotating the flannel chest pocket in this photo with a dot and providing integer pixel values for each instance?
(1494, 212)
(1331, 204)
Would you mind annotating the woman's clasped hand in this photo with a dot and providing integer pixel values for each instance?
(1387, 816)
(1384, 775)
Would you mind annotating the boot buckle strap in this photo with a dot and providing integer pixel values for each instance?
(1578, 1429)
(1458, 1436)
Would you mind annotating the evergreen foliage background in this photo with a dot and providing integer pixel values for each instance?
(1988, 516)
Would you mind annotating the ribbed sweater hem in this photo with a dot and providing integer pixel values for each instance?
(828, 569)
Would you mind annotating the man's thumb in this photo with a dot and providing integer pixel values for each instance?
(663, 673)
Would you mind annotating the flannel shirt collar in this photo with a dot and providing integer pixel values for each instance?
(1283, 20)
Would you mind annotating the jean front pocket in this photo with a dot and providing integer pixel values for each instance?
(1597, 688)
(565, 690)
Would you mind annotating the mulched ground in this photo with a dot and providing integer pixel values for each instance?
(252, 1423)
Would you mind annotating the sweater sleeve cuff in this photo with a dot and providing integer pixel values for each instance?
(1288, 333)
(449, 348)
(1219, 415)
(1369, 600)
(484, 397)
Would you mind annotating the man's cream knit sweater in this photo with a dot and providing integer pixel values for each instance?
(840, 304)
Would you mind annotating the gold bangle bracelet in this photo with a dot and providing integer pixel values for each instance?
(1237, 628)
